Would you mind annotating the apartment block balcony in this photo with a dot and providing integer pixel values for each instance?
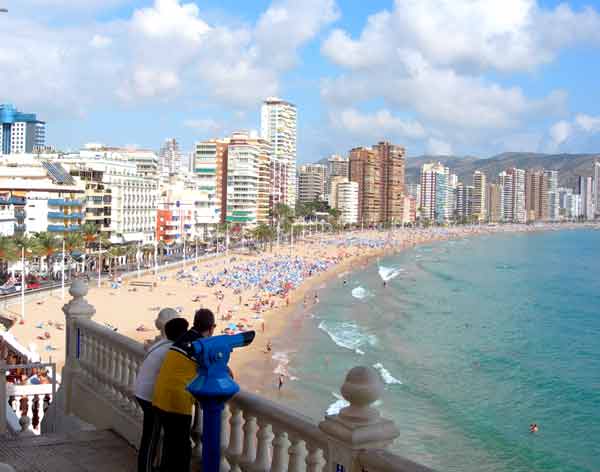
(97, 390)
(63, 228)
(59, 215)
(63, 202)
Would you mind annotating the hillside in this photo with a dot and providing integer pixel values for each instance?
(569, 166)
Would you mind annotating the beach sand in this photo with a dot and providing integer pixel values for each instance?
(126, 309)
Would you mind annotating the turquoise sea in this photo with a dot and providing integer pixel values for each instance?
(476, 339)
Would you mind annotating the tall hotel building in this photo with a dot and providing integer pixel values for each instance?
(311, 183)
(513, 195)
(278, 125)
(210, 167)
(434, 195)
(479, 205)
(379, 172)
(20, 132)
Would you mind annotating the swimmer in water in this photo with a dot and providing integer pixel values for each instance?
(384, 283)
(345, 282)
(280, 381)
(533, 428)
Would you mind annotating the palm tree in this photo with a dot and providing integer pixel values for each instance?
(27, 246)
(115, 253)
(264, 233)
(73, 242)
(47, 244)
(8, 251)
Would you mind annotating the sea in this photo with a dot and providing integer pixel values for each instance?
(475, 339)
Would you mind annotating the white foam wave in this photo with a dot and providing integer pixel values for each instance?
(387, 377)
(360, 293)
(337, 405)
(281, 368)
(388, 273)
(348, 335)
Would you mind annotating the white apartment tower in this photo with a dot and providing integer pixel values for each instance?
(347, 202)
(434, 194)
(479, 205)
(311, 183)
(513, 188)
(170, 157)
(278, 125)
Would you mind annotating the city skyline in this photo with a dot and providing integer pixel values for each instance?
(437, 93)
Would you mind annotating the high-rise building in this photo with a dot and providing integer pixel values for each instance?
(551, 180)
(513, 185)
(337, 166)
(434, 181)
(311, 182)
(392, 163)
(464, 203)
(451, 186)
(596, 183)
(333, 189)
(365, 170)
(20, 132)
(585, 190)
(536, 195)
(245, 165)
(414, 191)
(347, 202)
(278, 125)
(210, 167)
(479, 205)
(379, 172)
(494, 202)
(170, 157)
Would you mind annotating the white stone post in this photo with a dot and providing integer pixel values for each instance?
(77, 308)
(359, 426)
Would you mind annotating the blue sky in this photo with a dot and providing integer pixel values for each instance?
(473, 77)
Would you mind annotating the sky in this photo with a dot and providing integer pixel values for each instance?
(463, 77)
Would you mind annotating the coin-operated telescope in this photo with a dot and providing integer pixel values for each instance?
(212, 387)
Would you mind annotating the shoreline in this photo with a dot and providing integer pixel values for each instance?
(128, 309)
(256, 371)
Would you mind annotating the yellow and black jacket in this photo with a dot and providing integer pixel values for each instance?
(176, 373)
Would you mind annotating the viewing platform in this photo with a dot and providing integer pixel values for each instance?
(94, 421)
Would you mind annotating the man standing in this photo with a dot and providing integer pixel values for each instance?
(144, 389)
(173, 403)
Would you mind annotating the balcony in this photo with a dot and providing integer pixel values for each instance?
(63, 202)
(57, 228)
(59, 215)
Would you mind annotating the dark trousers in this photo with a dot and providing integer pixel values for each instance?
(177, 449)
(150, 436)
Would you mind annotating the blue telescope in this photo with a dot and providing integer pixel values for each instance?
(212, 387)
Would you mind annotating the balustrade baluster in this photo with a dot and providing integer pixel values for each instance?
(280, 451)
(224, 466)
(249, 452)
(263, 446)
(102, 364)
(236, 441)
(41, 411)
(132, 368)
(297, 455)
(93, 359)
(118, 373)
(314, 460)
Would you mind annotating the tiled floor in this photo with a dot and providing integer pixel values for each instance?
(98, 451)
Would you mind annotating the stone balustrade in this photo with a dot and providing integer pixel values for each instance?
(28, 403)
(258, 435)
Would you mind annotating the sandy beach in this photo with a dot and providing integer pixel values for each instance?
(240, 289)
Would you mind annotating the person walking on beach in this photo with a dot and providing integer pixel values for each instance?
(280, 382)
(144, 388)
(173, 403)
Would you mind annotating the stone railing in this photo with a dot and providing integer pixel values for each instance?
(27, 403)
(258, 435)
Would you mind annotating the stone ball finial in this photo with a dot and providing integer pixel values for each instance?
(24, 422)
(363, 386)
(78, 288)
(165, 315)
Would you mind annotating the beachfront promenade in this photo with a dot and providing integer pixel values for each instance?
(258, 435)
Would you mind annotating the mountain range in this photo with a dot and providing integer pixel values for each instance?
(569, 166)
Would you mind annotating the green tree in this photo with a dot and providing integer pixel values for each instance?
(47, 245)
(263, 234)
(73, 242)
(8, 251)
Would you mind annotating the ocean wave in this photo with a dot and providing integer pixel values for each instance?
(348, 335)
(360, 293)
(388, 273)
(283, 360)
(388, 378)
(337, 405)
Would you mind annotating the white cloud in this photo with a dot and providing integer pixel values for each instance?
(162, 51)
(100, 41)
(437, 147)
(434, 60)
(574, 135)
(204, 125)
(506, 35)
(588, 123)
(377, 125)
